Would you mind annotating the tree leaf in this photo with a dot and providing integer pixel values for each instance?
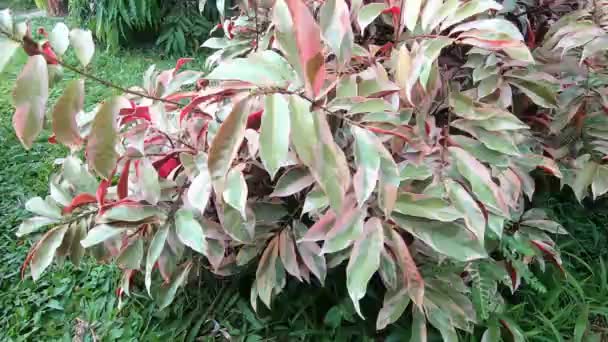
(131, 256)
(274, 133)
(583, 179)
(287, 252)
(315, 200)
(313, 259)
(238, 228)
(226, 143)
(412, 279)
(394, 304)
(537, 92)
(200, 189)
(368, 163)
(310, 49)
(266, 273)
(64, 114)
(368, 13)
(59, 38)
(39, 206)
(479, 177)
(148, 182)
(469, 9)
(8, 48)
(128, 213)
(33, 224)
(364, 261)
(264, 68)
(101, 145)
(101, 233)
(29, 97)
(156, 247)
(546, 225)
(189, 231)
(82, 41)
(346, 229)
(235, 192)
(168, 293)
(419, 333)
(462, 200)
(427, 207)
(305, 137)
(44, 250)
(336, 28)
(292, 181)
(599, 186)
(411, 13)
(441, 321)
(448, 238)
(495, 25)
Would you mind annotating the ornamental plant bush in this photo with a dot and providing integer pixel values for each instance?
(397, 138)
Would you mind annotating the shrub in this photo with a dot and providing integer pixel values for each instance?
(401, 139)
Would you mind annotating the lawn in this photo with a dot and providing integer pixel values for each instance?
(80, 302)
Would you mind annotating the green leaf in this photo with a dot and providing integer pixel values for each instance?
(411, 13)
(235, 192)
(448, 238)
(368, 163)
(44, 250)
(368, 13)
(496, 25)
(480, 179)
(419, 333)
(167, 294)
(469, 9)
(411, 171)
(64, 114)
(412, 279)
(329, 166)
(82, 41)
(33, 224)
(265, 68)
(148, 182)
(200, 189)
(6, 20)
(101, 233)
(497, 141)
(101, 145)
(287, 252)
(292, 181)
(128, 213)
(583, 179)
(364, 261)
(274, 133)
(466, 204)
(226, 143)
(427, 207)
(536, 91)
(189, 231)
(266, 273)
(305, 137)
(546, 225)
(238, 228)
(311, 256)
(42, 207)
(441, 321)
(347, 228)
(394, 304)
(599, 186)
(59, 38)
(336, 28)
(388, 270)
(156, 248)
(315, 200)
(78, 175)
(247, 253)
(131, 256)
(29, 97)
(8, 48)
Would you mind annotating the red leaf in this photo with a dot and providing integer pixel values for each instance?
(254, 120)
(180, 63)
(79, 200)
(52, 139)
(166, 165)
(123, 182)
(49, 54)
(310, 49)
(102, 191)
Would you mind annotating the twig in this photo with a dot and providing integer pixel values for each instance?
(257, 30)
(93, 77)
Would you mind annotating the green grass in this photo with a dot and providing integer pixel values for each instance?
(67, 298)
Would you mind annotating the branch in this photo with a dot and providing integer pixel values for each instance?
(87, 75)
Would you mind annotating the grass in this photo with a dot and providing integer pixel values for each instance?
(71, 301)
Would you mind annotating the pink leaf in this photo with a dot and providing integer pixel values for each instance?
(310, 49)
